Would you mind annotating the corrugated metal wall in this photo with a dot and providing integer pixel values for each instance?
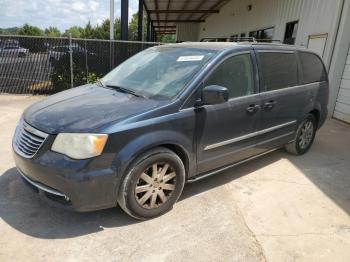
(315, 17)
(187, 31)
(342, 106)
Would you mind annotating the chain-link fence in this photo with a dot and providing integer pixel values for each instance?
(42, 65)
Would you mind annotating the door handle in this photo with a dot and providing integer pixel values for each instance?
(269, 105)
(253, 108)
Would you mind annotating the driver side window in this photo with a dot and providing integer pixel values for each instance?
(236, 74)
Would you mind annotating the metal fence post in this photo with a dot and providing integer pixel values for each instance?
(71, 61)
(86, 63)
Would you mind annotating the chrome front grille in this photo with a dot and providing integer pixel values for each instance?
(27, 140)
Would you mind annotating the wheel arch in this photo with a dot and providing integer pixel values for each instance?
(317, 114)
(174, 141)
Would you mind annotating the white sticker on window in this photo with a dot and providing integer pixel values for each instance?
(190, 58)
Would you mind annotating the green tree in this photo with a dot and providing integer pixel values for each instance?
(30, 30)
(133, 27)
(75, 31)
(52, 32)
(8, 31)
(88, 31)
(102, 31)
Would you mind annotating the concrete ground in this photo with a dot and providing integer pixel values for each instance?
(277, 208)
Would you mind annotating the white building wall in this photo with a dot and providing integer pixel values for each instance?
(338, 67)
(315, 17)
(187, 31)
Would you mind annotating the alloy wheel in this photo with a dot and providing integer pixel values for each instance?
(155, 185)
(306, 134)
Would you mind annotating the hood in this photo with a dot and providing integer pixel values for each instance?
(85, 109)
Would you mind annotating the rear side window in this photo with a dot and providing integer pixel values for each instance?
(279, 70)
(312, 68)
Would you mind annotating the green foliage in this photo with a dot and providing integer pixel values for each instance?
(167, 38)
(61, 76)
(92, 77)
(52, 32)
(8, 31)
(30, 30)
(75, 31)
(100, 31)
(133, 27)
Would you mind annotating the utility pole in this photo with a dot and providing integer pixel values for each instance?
(111, 19)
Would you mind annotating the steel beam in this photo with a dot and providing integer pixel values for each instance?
(124, 18)
(183, 11)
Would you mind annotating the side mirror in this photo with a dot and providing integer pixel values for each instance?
(214, 94)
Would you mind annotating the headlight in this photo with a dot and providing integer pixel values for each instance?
(79, 146)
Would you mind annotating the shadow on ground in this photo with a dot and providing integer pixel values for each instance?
(327, 165)
(22, 208)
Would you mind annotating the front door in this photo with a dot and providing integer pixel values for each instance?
(225, 131)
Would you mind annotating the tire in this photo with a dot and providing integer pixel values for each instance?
(304, 137)
(145, 176)
(21, 55)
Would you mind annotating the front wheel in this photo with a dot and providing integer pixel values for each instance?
(304, 137)
(153, 184)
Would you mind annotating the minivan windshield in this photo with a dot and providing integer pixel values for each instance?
(158, 72)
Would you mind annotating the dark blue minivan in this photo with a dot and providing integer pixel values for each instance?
(169, 115)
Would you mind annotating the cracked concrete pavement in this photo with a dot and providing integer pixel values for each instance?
(276, 208)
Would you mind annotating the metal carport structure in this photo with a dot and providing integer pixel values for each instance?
(164, 15)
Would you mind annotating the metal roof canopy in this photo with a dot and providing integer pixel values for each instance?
(164, 14)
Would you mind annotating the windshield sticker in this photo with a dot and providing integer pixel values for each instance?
(190, 58)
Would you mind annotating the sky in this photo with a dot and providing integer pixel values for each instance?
(59, 13)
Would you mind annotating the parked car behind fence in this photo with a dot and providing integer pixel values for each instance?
(47, 69)
(16, 51)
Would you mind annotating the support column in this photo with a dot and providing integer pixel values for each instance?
(124, 19)
(153, 34)
(149, 28)
(140, 22)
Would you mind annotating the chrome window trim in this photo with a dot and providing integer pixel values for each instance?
(290, 88)
(275, 51)
(233, 99)
(247, 136)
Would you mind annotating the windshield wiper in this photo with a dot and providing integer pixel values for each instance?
(125, 90)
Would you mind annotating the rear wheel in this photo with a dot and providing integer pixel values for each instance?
(153, 184)
(304, 138)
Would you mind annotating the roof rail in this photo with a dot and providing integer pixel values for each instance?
(237, 39)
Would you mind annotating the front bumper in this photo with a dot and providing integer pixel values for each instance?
(80, 185)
